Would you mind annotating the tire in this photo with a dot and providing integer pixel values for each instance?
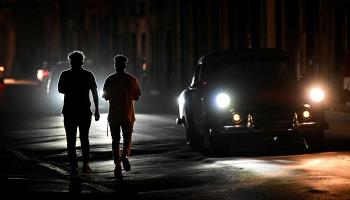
(218, 145)
(314, 141)
(194, 139)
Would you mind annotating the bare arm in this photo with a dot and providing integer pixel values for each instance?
(137, 90)
(61, 85)
(95, 97)
(105, 91)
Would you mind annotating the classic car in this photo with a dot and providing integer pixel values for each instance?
(251, 93)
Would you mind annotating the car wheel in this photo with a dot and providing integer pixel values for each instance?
(314, 140)
(194, 139)
(218, 145)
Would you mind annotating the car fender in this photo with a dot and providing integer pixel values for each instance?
(185, 106)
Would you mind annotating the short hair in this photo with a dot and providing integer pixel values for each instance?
(76, 55)
(120, 59)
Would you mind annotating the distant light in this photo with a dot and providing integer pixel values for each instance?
(307, 105)
(10, 81)
(41, 74)
(2, 69)
(144, 67)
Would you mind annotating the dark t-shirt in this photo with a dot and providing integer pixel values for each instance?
(76, 85)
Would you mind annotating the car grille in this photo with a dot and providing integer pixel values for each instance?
(273, 122)
(267, 117)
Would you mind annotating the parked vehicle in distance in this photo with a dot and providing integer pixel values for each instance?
(48, 77)
(250, 93)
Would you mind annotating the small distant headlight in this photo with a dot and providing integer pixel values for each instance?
(222, 100)
(316, 94)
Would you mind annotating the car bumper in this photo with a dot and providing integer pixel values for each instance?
(272, 130)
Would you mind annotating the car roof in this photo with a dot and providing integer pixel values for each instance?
(243, 54)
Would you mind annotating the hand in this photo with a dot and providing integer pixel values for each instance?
(104, 95)
(97, 116)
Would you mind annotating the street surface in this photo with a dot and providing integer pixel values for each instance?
(34, 163)
(164, 168)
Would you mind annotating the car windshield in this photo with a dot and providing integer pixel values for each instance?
(258, 70)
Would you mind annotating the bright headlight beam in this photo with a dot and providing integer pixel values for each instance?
(316, 94)
(222, 100)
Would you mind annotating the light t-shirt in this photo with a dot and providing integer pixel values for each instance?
(121, 89)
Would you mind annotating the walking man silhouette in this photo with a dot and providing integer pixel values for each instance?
(76, 83)
(121, 89)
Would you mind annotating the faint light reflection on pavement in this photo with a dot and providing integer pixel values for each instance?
(270, 168)
(98, 131)
(325, 171)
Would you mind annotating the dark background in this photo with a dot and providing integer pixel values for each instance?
(164, 38)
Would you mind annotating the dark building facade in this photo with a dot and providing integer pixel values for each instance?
(165, 38)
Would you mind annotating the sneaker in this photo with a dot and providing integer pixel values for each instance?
(126, 164)
(86, 169)
(118, 172)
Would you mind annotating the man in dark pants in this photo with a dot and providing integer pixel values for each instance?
(76, 83)
(121, 89)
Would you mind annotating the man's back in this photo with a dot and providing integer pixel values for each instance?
(76, 84)
(121, 89)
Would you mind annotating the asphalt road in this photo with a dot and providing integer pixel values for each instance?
(34, 156)
(34, 160)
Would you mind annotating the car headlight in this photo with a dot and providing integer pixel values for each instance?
(317, 94)
(222, 100)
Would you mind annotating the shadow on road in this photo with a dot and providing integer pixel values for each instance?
(261, 147)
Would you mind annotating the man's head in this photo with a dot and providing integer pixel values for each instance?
(76, 59)
(120, 62)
